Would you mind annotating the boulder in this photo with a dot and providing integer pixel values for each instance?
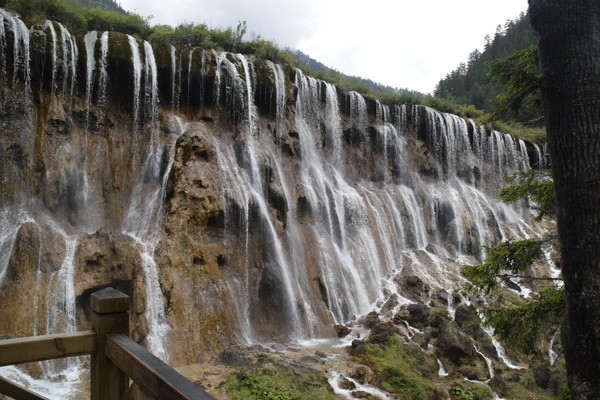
(371, 319)
(358, 346)
(418, 315)
(381, 332)
(342, 330)
(454, 344)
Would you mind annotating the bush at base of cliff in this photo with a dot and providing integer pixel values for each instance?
(272, 382)
(401, 370)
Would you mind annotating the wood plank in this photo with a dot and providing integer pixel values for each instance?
(48, 347)
(15, 391)
(108, 301)
(155, 378)
(103, 323)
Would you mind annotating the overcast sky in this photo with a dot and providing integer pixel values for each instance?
(401, 43)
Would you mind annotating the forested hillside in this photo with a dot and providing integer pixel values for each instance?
(106, 4)
(320, 68)
(469, 82)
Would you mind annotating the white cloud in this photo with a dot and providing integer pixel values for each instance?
(406, 44)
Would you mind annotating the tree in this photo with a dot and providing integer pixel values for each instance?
(569, 54)
(519, 78)
(526, 324)
(238, 35)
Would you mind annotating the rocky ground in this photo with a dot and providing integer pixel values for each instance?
(411, 351)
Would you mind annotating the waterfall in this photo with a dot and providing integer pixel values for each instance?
(174, 89)
(415, 217)
(103, 79)
(10, 223)
(60, 378)
(90, 40)
(20, 48)
(137, 79)
(524, 157)
(333, 125)
(358, 110)
(279, 79)
(441, 370)
(50, 26)
(322, 202)
(351, 272)
(248, 179)
(144, 215)
(69, 58)
(233, 190)
(151, 85)
(336, 379)
(2, 48)
(189, 77)
(61, 303)
(539, 158)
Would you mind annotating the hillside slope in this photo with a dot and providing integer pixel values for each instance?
(469, 83)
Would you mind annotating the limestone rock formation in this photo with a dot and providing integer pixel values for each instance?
(236, 200)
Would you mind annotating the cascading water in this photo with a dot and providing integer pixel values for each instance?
(324, 207)
(143, 218)
(103, 79)
(61, 305)
(20, 68)
(49, 25)
(279, 78)
(90, 40)
(189, 76)
(151, 86)
(358, 110)
(351, 273)
(69, 57)
(9, 226)
(249, 178)
(2, 48)
(136, 63)
(352, 219)
(174, 89)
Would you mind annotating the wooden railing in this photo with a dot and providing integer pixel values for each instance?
(116, 358)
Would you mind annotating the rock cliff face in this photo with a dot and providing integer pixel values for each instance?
(234, 199)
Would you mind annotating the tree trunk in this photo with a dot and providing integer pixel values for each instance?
(569, 51)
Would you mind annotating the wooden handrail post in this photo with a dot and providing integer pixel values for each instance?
(109, 314)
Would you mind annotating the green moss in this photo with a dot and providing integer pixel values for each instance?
(470, 391)
(518, 391)
(401, 371)
(520, 386)
(272, 382)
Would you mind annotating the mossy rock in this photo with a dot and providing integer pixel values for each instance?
(400, 371)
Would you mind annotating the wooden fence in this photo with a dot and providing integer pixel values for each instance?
(116, 358)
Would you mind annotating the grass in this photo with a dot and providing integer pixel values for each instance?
(271, 382)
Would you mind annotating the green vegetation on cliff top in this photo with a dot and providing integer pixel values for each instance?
(465, 92)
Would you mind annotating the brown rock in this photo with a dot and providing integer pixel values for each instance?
(341, 330)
